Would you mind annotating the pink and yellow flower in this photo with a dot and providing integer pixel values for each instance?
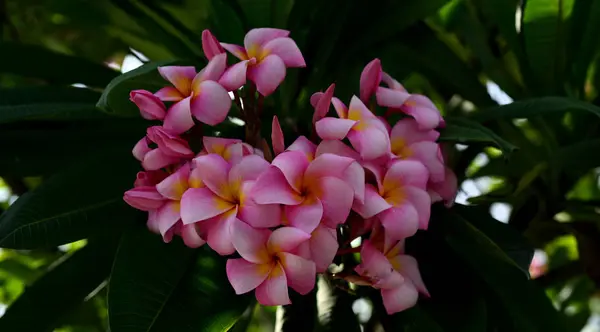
(170, 149)
(268, 264)
(268, 52)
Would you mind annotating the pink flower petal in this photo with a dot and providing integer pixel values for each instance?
(191, 237)
(247, 169)
(271, 187)
(213, 71)
(300, 272)
(195, 179)
(391, 82)
(251, 243)
(141, 148)
(286, 239)
(245, 276)
(354, 175)
(151, 108)
(167, 216)
(210, 45)
(256, 38)
(327, 164)
(373, 263)
(201, 204)
(391, 98)
(424, 112)
(408, 266)
(214, 171)
(220, 145)
(430, 155)
(340, 108)
(174, 185)
(220, 237)
(400, 221)
(447, 189)
(292, 164)
(277, 137)
(169, 93)
(267, 74)
(179, 117)
(336, 197)
(405, 173)
(152, 222)
(305, 216)
(323, 247)
(407, 130)
(394, 280)
(287, 50)
(235, 76)
(370, 79)
(144, 198)
(422, 203)
(333, 128)
(374, 203)
(156, 159)
(400, 298)
(371, 142)
(315, 97)
(180, 76)
(211, 103)
(304, 145)
(338, 148)
(274, 290)
(358, 111)
(150, 178)
(168, 143)
(322, 101)
(257, 215)
(238, 51)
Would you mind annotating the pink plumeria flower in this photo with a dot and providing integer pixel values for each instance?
(365, 131)
(203, 95)
(321, 248)
(400, 201)
(268, 52)
(304, 145)
(171, 149)
(226, 197)
(409, 142)
(232, 150)
(321, 102)
(445, 190)
(310, 191)
(210, 45)
(268, 264)
(151, 107)
(398, 287)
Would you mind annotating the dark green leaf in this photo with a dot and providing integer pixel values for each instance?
(115, 98)
(61, 289)
(584, 27)
(534, 107)
(528, 305)
(258, 12)
(227, 19)
(48, 103)
(206, 290)
(414, 319)
(82, 200)
(51, 67)
(461, 130)
(144, 277)
(335, 308)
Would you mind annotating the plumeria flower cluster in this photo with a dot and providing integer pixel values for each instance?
(277, 214)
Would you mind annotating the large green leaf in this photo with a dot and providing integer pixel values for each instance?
(527, 304)
(461, 130)
(54, 68)
(115, 98)
(48, 103)
(84, 199)
(534, 107)
(144, 276)
(584, 25)
(65, 285)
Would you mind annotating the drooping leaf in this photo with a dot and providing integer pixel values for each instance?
(461, 130)
(534, 107)
(144, 277)
(51, 67)
(64, 286)
(48, 103)
(90, 202)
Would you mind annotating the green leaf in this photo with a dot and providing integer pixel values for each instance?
(584, 28)
(54, 68)
(84, 199)
(48, 103)
(258, 12)
(144, 276)
(115, 98)
(534, 107)
(228, 20)
(205, 289)
(61, 289)
(461, 130)
(544, 35)
(335, 308)
(528, 305)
